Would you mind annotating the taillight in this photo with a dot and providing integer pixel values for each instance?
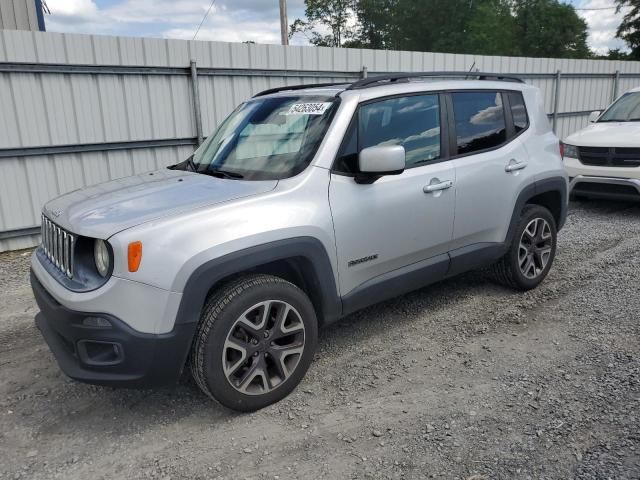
(561, 150)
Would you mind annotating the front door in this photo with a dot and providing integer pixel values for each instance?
(384, 228)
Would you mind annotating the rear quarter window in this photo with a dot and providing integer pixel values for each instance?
(518, 112)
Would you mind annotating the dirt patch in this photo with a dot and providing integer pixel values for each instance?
(463, 380)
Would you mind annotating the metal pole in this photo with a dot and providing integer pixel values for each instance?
(284, 23)
(365, 72)
(616, 85)
(556, 100)
(196, 101)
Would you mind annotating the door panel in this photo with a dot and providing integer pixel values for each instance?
(391, 223)
(491, 170)
(486, 193)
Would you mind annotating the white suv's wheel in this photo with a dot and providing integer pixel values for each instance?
(255, 341)
(532, 250)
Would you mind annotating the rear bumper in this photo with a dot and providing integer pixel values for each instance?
(613, 188)
(116, 355)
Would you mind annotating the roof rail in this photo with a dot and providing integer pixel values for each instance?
(299, 87)
(375, 80)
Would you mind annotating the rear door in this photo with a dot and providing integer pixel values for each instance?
(491, 164)
(399, 220)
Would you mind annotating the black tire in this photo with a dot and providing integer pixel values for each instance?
(507, 270)
(220, 315)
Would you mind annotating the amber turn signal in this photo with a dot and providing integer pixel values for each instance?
(134, 256)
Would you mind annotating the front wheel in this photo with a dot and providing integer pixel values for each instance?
(254, 343)
(532, 250)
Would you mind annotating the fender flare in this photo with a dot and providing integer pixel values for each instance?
(553, 184)
(308, 249)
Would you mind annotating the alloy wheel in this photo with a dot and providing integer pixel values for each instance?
(534, 250)
(263, 347)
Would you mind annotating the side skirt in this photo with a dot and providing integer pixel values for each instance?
(395, 283)
(421, 274)
(475, 256)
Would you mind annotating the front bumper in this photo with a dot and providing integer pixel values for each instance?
(613, 188)
(607, 182)
(115, 356)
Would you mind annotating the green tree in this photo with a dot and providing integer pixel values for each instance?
(326, 22)
(548, 28)
(540, 28)
(492, 30)
(629, 29)
(377, 26)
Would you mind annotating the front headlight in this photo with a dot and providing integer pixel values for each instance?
(101, 257)
(570, 151)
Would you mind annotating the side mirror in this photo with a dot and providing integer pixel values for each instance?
(593, 116)
(375, 162)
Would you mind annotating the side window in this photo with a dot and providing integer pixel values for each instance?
(479, 119)
(412, 121)
(518, 112)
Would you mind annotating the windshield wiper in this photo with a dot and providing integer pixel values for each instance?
(216, 172)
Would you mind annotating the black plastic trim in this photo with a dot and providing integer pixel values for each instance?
(307, 250)
(395, 283)
(552, 184)
(146, 360)
(475, 256)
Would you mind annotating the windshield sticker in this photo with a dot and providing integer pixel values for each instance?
(308, 108)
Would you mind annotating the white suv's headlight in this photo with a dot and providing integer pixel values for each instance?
(101, 257)
(570, 151)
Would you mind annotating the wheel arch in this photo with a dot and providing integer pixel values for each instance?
(302, 261)
(551, 193)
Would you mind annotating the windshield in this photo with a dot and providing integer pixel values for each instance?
(267, 139)
(626, 109)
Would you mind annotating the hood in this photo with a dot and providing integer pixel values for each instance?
(102, 210)
(607, 134)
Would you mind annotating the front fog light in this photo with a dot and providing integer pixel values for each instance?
(101, 257)
(96, 322)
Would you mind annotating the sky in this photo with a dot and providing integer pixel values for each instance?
(240, 20)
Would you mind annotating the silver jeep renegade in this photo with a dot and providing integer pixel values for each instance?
(307, 204)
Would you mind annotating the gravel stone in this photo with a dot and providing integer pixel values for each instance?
(560, 399)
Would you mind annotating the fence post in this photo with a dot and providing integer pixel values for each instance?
(556, 100)
(365, 72)
(616, 85)
(196, 101)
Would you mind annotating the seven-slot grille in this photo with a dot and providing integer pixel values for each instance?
(610, 156)
(58, 245)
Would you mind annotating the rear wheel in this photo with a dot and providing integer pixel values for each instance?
(254, 343)
(532, 250)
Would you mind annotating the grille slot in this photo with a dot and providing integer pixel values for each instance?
(610, 157)
(58, 246)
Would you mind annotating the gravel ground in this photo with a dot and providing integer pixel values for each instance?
(462, 380)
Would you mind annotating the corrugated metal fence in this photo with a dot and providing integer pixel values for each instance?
(20, 15)
(78, 109)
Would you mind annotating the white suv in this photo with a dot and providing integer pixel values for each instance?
(603, 160)
(307, 204)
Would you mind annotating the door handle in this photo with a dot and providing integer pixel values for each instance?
(435, 187)
(514, 165)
